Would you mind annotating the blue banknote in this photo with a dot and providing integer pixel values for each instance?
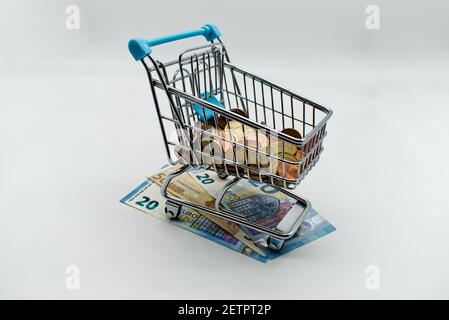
(313, 228)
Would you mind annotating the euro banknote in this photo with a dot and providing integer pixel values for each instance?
(147, 198)
(313, 227)
(184, 187)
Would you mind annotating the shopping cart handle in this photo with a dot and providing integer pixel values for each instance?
(140, 48)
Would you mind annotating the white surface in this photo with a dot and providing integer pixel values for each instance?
(74, 143)
(78, 134)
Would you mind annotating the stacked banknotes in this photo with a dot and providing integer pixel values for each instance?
(202, 187)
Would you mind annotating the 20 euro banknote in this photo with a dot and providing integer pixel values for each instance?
(147, 198)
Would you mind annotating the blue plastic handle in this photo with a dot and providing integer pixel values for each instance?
(140, 48)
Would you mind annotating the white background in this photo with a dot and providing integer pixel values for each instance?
(78, 130)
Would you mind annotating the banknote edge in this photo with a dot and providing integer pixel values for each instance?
(133, 192)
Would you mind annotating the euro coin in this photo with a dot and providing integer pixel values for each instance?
(292, 132)
(227, 143)
(225, 122)
(218, 122)
(280, 145)
(298, 154)
(211, 149)
(227, 139)
(255, 137)
(289, 171)
(240, 112)
(251, 147)
(208, 135)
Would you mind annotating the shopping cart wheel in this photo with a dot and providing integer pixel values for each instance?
(222, 174)
(172, 210)
(275, 244)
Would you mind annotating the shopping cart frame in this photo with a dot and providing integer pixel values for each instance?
(309, 144)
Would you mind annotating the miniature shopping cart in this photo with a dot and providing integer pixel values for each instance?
(217, 116)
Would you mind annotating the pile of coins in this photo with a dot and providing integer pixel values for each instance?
(289, 152)
(229, 145)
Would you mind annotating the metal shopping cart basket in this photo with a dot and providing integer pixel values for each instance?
(233, 122)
